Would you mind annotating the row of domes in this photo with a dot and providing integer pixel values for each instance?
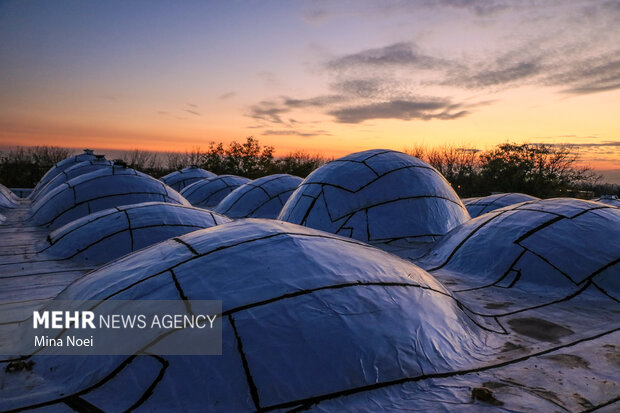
(308, 311)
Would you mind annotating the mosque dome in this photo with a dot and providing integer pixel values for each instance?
(178, 180)
(305, 314)
(482, 205)
(261, 198)
(111, 233)
(7, 198)
(377, 196)
(609, 200)
(71, 172)
(87, 155)
(550, 248)
(99, 190)
(208, 192)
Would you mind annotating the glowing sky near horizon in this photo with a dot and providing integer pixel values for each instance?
(328, 77)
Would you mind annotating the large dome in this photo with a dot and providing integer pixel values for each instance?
(376, 195)
(305, 314)
(482, 205)
(180, 179)
(207, 193)
(261, 198)
(87, 155)
(111, 233)
(548, 249)
(7, 198)
(98, 190)
(76, 170)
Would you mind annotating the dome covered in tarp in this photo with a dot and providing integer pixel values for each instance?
(209, 192)
(7, 197)
(98, 190)
(377, 195)
(305, 314)
(261, 198)
(484, 204)
(76, 170)
(549, 248)
(609, 200)
(87, 155)
(178, 180)
(106, 235)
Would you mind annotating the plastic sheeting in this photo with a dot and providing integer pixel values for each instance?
(87, 155)
(609, 200)
(547, 248)
(261, 198)
(180, 179)
(7, 198)
(112, 233)
(376, 195)
(207, 193)
(305, 314)
(482, 205)
(99, 190)
(73, 171)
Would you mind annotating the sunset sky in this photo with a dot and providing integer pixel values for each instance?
(330, 77)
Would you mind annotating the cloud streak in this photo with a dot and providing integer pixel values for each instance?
(397, 54)
(423, 109)
(293, 132)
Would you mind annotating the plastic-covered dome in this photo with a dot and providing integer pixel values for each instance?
(482, 205)
(609, 200)
(178, 180)
(261, 198)
(76, 170)
(87, 155)
(305, 314)
(106, 235)
(209, 192)
(99, 190)
(376, 195)
(7, 197)
(548, 248)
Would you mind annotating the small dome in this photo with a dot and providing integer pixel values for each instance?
(180, 179)
(377, 195)
(209, 192)
(76, 170)
(305, 313)
(261, 198)
(7, 198)
(87, 155)
(548, 248)
(106, 235)
(609, 200)
(482, 205)
(99, 190)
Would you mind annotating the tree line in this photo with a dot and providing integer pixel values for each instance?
(537, 169)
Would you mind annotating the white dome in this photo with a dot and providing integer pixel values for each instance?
(71, 172)
(87, 155)
(106, 235)
(7, 198)
(305, 314)
(98, 190)
(376, 195)
(261, 198)
(548, 248)
(482, 205)
(209, 192)
(178, 180)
